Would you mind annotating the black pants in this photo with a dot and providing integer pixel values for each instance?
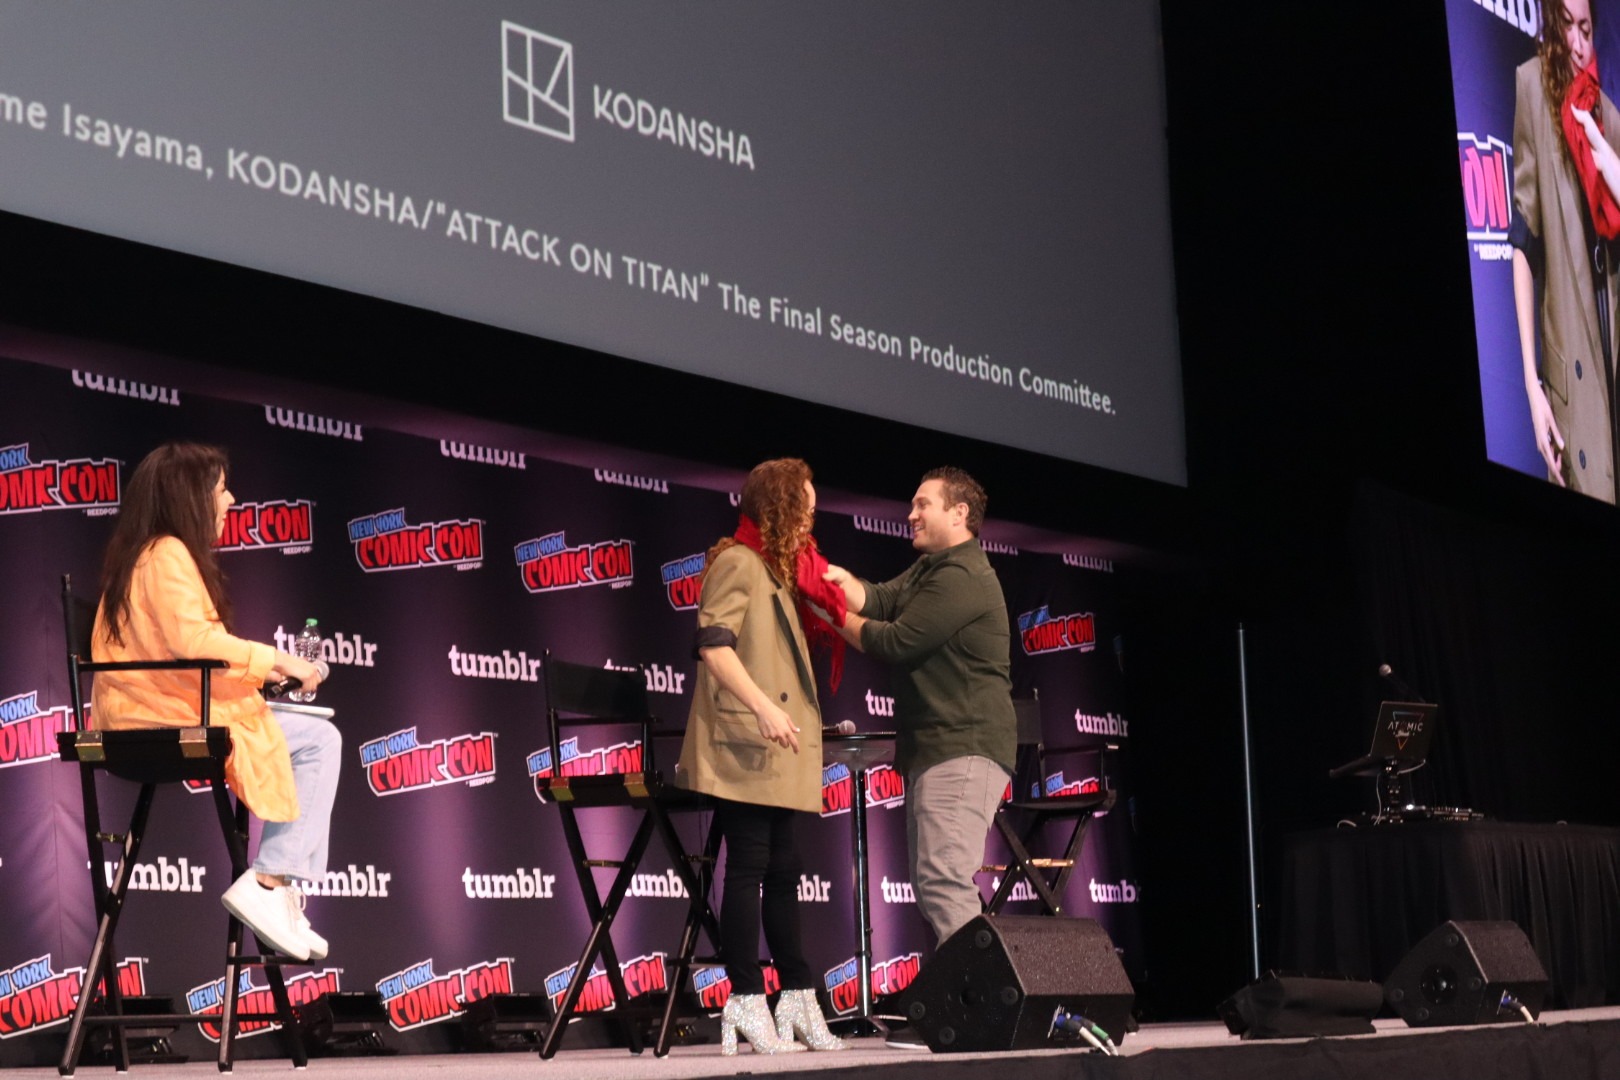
(762, 879)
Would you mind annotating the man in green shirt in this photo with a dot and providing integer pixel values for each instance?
(942, 625)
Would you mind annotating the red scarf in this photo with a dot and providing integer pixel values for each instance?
(1584, 93)
(812, 590)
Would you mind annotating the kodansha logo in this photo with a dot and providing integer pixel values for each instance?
(537, 76)
(643, 975)
(385, 541)
(416, 997)
(27, 487)
(1042, 632)
(268, 526)
(537, 80)
(884, 787)
(26, 734)
(401, 762)
(548, 564)
(622, 757)
(301, 990)
(35, 996)
(683, 580)
(888, 977)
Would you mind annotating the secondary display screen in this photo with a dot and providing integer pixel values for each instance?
(950, 213)
(1542, 228)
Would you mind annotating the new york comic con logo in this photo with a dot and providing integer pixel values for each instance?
(683, 581)
(402, 762)
(888, 977)
(1042, 632)
(884, 787)
(1055, 786)
(386, 541)
(624, 757)
(268, 526)
(548, 564)
(713, 985)
(1486, 166)
(643, 975)
(416, 997)
(26, 734)
(35, 996)
(27, 487)
(251, 998)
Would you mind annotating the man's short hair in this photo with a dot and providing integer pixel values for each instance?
(961, 488)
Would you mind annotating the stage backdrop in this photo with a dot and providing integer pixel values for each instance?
(441, 570)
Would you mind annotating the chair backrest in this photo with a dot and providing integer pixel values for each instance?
(1029, 761)
(78, 626)
(1029, 764)
(578, 694)
(78, 622)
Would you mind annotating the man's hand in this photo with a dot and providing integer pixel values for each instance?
(775, 726)
(854, 591)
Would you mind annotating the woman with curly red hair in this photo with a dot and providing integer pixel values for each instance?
(753, 741)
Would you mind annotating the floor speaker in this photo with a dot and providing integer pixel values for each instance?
(1278, 1006)
(1468, 973)
(997, 983)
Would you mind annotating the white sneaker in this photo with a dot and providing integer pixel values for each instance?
(269, 913)
(317, 944)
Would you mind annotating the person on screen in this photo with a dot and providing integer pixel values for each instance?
(943, 627)
(1566, 201)
(753, 741)
(163, 598)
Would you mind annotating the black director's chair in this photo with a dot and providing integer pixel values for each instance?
(151, 757)
(577, 694)
(1035, 810)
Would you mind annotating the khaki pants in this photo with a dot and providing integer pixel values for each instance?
(949, 811)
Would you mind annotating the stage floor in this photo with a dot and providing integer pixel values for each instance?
(1582, 1043)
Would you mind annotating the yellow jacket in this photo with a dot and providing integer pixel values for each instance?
(171, 618)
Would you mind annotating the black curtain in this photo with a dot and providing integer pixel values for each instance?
(1513, 633)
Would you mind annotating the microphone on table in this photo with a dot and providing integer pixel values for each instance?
(843, 727)
(290, 683)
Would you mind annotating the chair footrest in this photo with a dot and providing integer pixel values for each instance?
(1039, 864)
(611, 864)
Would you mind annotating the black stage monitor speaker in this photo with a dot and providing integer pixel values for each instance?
(1468, 973)
(996, 984)
(1279, 1006)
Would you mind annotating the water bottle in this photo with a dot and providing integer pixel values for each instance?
(307, 646)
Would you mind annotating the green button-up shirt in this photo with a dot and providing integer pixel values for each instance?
(942, 625)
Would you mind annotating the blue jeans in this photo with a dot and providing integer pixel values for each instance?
(297, 849)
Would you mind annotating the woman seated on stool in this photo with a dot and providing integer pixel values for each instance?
(753, 741)
(163, 598)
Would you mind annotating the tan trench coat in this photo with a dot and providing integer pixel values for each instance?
(723, 753)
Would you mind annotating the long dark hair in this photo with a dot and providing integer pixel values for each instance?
(170, 493)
